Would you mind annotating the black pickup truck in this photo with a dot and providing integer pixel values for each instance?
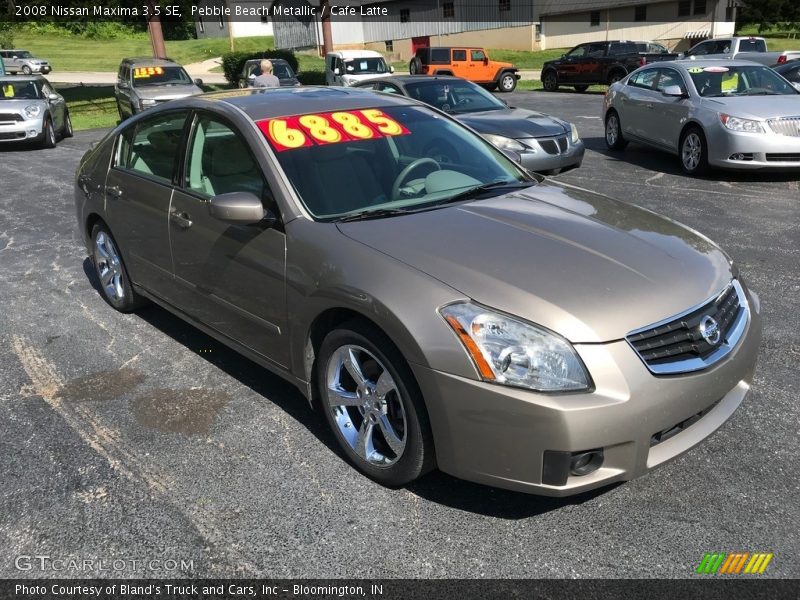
(600, 63)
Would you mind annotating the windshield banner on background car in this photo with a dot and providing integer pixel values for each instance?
(300, 131)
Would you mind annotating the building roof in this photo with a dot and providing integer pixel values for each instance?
(558, 7)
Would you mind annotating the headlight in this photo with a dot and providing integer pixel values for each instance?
(574, 137)
(32, 111)
(737, 124)
(512, 352)
(147, 102)
(503, 142)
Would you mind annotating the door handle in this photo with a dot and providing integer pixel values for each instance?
(182, 220)
(114, 191)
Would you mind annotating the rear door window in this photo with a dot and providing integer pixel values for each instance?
(459, 55)
(152, 146)
(440, 56)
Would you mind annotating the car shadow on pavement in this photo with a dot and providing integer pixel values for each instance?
(663, 162)
(436, 487)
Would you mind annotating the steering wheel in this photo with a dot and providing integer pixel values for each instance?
(401, 178)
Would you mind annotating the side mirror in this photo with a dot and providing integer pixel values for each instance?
(486, 60)
(237, 207)
(336, 71)
(681, 55)
(53, 97)
(198, 82)
(673, 91)
(391, 69)
(122, 85)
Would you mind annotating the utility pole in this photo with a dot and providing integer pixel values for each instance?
(327, 36)
(156, 33)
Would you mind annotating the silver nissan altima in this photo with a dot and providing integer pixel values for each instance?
(731, 114)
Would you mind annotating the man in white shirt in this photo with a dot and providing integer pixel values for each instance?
(266, 79)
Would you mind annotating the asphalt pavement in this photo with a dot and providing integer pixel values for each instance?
(136, 438)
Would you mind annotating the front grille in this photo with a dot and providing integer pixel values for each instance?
(10, 117)
(786, 126)
(554, 146)
(12, 135)
(679, 344)
(789, 157)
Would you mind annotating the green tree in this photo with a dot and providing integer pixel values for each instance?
(769, 13)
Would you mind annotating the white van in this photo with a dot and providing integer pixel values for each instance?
(347, 67)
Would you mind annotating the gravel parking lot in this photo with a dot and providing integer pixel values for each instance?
(138, 438)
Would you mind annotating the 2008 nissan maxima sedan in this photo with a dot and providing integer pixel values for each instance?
(511, 331)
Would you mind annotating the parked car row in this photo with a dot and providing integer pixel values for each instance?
(31, 110)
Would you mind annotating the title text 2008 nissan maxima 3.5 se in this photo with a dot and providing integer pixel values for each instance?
(469, 316)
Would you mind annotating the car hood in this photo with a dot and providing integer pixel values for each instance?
(362, 76)
(756, 107)
(18, 105)
(167, 92)
(586, 266)
(517, 123)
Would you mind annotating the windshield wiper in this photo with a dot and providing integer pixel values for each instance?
(478, 190)
(375, 213)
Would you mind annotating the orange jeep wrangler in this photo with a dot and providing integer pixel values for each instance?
(469, 63)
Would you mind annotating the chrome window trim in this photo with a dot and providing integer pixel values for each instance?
(726, 346)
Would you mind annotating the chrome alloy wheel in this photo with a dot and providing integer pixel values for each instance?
(691, 151)
(366, 405)
(612, 124)
(109, 267)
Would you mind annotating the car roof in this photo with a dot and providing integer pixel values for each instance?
(151, 61)
(268, 103)
(356, 54)
(414, 78)
(17, 78)
(707, 62)
(272, 60)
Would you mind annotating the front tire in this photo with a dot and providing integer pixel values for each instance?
(373, 404)
(68, 131)
(550, 81)
(507, 83)
(615, 76)
(694, 151)
(115, 285)
(48, 134)
(27, 70)
(614, 138)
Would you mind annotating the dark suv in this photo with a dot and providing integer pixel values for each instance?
(473, 64)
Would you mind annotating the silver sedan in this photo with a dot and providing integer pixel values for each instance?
(732, 114)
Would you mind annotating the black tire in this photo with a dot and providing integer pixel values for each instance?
(48, 134)
(693, 151)
(418, 455)
(415, 66)
(129, 300)
(67, 131)
(581, 88)
(615, 76)
(613, 132)
(550, 81)
(26, 70)
(507, 82)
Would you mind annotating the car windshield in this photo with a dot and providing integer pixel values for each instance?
(750, 80)
(455, 96)
(144, 76)
(357, 66)
(397, 158)
(19, 90)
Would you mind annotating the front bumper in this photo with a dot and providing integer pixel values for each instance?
(21, 130)
(538, 159)
(758, 150)
(498, 435)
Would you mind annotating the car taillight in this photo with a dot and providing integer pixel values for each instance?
(642, 61)
(781, 59)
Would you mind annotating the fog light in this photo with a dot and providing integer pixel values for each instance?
(583, 463)
(32, 133)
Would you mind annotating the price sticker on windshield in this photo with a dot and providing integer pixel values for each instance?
(144, 72)
(320, 129)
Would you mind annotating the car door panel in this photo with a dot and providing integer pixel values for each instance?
(231, 277)
(670, 112)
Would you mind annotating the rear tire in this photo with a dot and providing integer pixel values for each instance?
(507, 82)
(115, 285)
(614, 138)
(382, 396)
(415, 66)
(550, 81)
(694, 151)
(615, 76)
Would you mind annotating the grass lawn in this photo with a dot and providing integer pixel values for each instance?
(524, 59)
(74, 53)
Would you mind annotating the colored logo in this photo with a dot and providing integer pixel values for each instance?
(734, 563)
